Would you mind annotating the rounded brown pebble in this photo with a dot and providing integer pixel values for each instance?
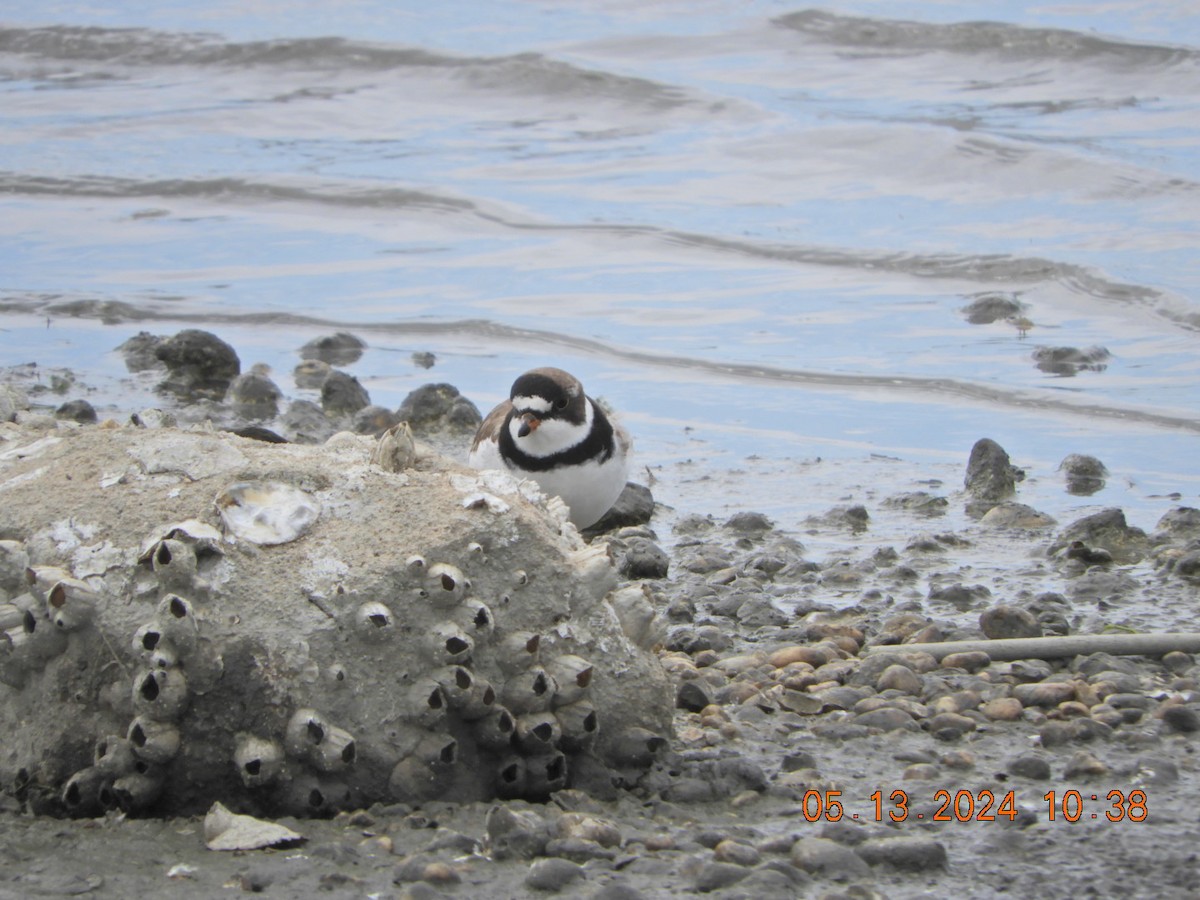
(736, 852)
(1084, 765)
(899, 678)
(1045, 693)
(1003, 709)
(813, 656)
(970, 660)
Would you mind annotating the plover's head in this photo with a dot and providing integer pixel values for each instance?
(547, 396)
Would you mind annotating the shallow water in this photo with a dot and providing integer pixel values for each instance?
(751, 227)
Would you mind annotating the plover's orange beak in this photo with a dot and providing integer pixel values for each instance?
(529, 424)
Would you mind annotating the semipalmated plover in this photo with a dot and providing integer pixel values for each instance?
(549, 430)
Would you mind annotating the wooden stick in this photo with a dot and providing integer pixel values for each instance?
(1057, 646)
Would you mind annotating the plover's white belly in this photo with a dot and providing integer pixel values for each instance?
(589, 489)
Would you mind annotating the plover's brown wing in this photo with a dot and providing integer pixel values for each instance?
(489, 429)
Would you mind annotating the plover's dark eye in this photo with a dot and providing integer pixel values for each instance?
(561, 403)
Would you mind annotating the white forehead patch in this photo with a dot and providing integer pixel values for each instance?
(531, 404)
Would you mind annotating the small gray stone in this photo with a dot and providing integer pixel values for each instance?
(341, 394)
(77, 411)
(634, 506)
(1085, 474)
(644, 559)
(1002, 622)
(988, 308)
(886, 719)
(1181, 718)
(909, 852)
(899, 678)
(552, 874)
(339, 349)
(749, 523)
(1030, 765)
(716, 875)
(439, 407)
(829, 859)
(990, 474)
(692, 696)
(199, 364)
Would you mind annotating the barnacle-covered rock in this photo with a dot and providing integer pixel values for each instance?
(292, 629)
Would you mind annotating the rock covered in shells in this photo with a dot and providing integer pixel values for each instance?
(297, 630)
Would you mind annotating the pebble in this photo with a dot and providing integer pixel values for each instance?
(342, 394)
(887, 719)
(828, 859)
(714, 876)
(1030, 765)
(77, 411)
(1084, 765)
(970, 660)
(1001, 622)
(644, 559)
(910, 852)
(950, 726)
(1045, 693)
(552, 874)
(1181, 718)
(899, 678)
(990, 475)
(736, 852)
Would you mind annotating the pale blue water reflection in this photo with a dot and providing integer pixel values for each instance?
(665, 196)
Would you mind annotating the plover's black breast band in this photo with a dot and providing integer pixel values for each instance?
(596, 447)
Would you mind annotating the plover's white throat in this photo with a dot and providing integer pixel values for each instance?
(549, 430)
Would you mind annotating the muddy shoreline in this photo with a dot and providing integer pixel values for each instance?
(805, 762)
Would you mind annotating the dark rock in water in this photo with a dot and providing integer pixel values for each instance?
(988, 308)
(424, 359)
(920, 503)
(339, 349)
(855, 518)
(77, 411)
(306, 423)
(140, 351)
(635, 506)
(1109, 530)
(749, 523)
(1085, 474)
(644, 559)
(1188, 566)
(1180, 522)
(199, 364)
(438, 407)
(991, 477)
(374, 420)
(1000, 622)
(1069, 361)
(255, 395)
(1088, 556)
(341, 394)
